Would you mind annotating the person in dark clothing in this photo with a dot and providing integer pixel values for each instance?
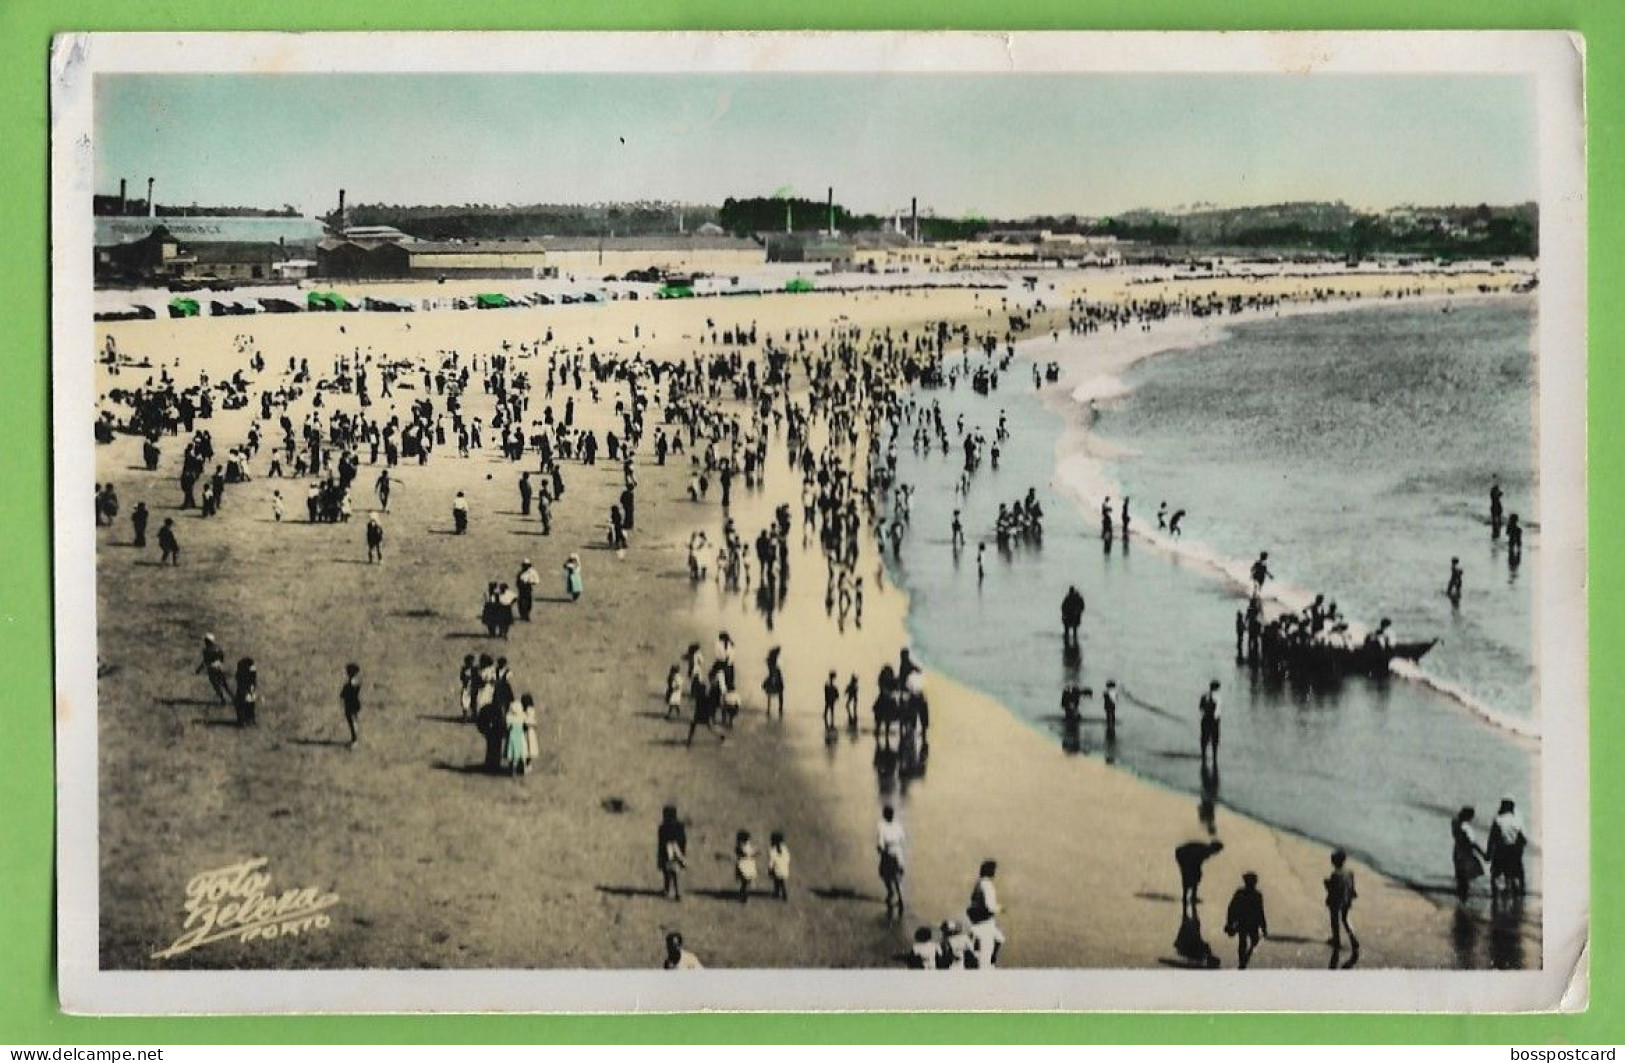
(168, 545)
(350, 700)
(248, 693)
(526, 581)
(138, 522)
(671, 852)
(375, 541)
(773, 685)
(707, 699)
(1071, 616)
(1245, 919)
(1452, 588)
(491, 722)
(1339, 899)
(832, 696)
(1190, 857)
(1208, 708)
(214, 664)
(628, 502)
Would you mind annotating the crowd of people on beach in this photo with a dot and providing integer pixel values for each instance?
(828, 406)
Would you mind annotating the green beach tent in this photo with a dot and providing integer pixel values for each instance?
(798, 284)
(181, 307)
(491, 301)
(325, 301)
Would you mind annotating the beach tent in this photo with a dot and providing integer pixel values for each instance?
(491, 301)
(798, 284)
(279, 306)
(326, 301)
(181, 307)
(129, 313)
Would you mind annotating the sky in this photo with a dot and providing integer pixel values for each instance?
(983, 144)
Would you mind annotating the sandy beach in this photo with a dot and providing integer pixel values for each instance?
(423, 848)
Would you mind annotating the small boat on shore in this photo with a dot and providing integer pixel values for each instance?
(1330, 658)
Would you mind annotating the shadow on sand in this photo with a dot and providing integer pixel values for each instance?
(631, 891)
(844, 893)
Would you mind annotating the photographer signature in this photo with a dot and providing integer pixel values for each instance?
(236, 901)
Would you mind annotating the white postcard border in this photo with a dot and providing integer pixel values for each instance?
(1553, 59)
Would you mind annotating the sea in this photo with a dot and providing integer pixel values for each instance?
(1358, 448)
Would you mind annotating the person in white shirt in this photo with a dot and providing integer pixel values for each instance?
(679, 958)
(889, 841)
(958, 951)
(778, 865)
(984, 907)
(923, 955)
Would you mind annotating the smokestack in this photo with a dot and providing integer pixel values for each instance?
(832, 210)
(342, 225)
(123, 186)
(914, 216)
(152, 208)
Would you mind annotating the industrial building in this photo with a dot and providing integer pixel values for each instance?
(474, 259)
(835, 251)
(602, 256)
(138, 242)
(160, 257)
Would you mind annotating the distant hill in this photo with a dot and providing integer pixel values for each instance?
(1449, 231)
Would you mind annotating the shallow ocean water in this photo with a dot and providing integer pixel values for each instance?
(1357, 447)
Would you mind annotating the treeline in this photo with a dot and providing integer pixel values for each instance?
(194, 211)
(760, 214)
(481, 221)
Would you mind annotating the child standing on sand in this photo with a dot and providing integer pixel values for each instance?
(572, 577)
(778, 865)
(744, 864)
(674, 692)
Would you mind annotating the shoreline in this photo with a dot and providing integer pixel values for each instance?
(950, 830)
(990, 788)
(1082, 456)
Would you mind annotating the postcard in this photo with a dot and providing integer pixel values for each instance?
(652, 522)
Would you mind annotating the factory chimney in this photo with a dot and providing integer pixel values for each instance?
(914, 216)
(342, 224)
(831, 210)
(123, 188)
(152, 208)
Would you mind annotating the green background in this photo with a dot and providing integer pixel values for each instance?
(28, 1011)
